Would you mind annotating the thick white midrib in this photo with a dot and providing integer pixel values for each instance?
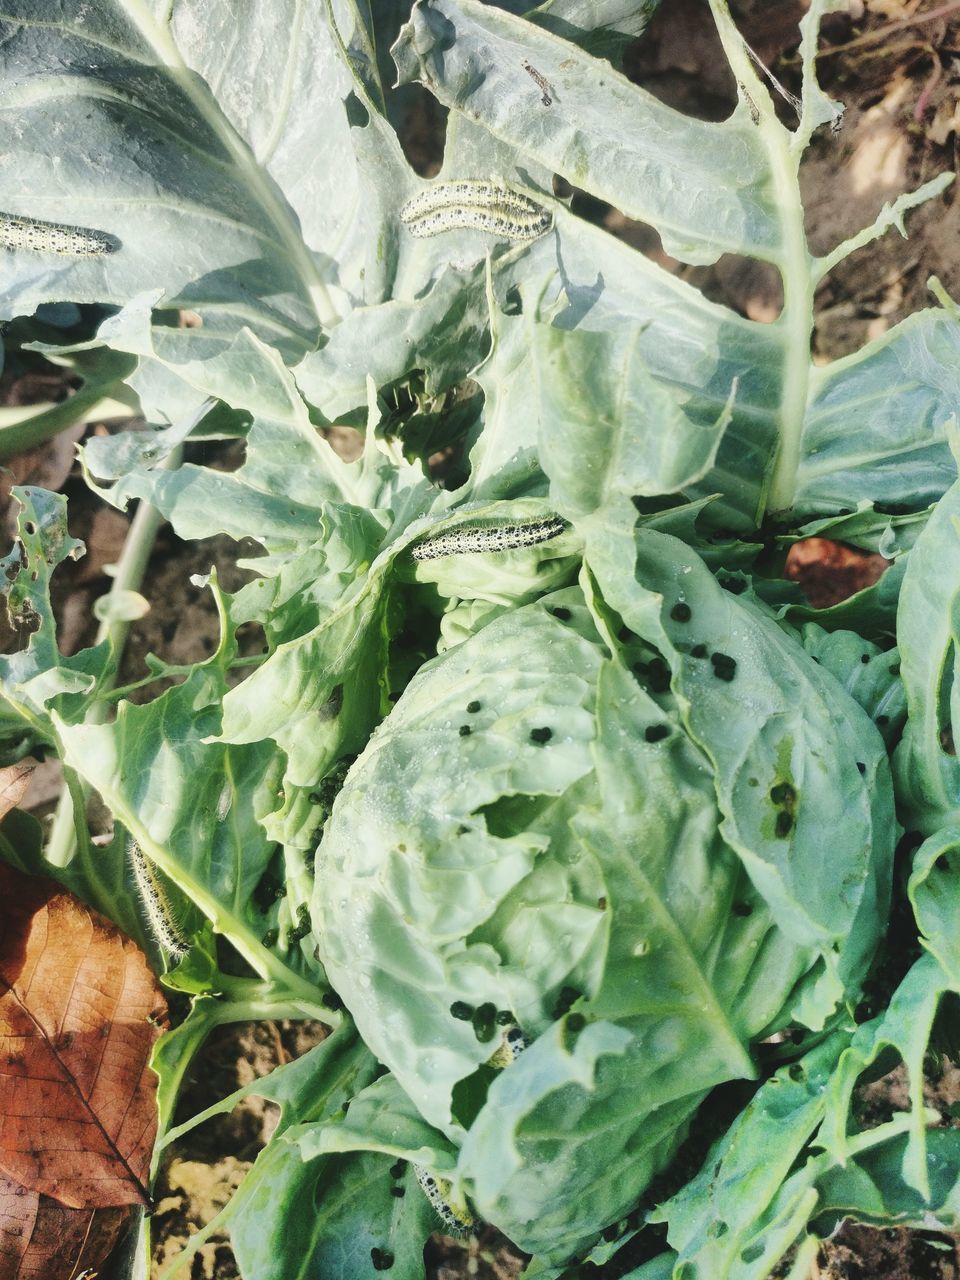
(795, 322)
(162, 43)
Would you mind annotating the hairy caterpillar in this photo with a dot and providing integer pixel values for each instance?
(475, 204)
(457, 1218)
(156, 904)
(542, 83)
(500, 537)
(52, 237)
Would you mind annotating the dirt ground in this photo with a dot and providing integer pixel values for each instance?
(895, 64)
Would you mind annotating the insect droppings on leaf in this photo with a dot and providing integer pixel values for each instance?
(565, 1000)
(724, 667)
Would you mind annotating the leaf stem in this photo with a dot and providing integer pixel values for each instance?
(795, 322)
(130, 569)
(891, 215)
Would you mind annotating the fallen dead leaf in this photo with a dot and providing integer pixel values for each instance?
(829, 572)
(79, 1013)
(14, 781)
(42, 1240)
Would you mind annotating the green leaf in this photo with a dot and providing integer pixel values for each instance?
(905, 1026)
(776, 1180)
(38, 677)
(784, 739)
(607, 427)
(442, 332)
(331, 1211)
(671, 170)
(336, 1215)
(721, 995)
(318, 696)
(720, 1222)
(871, 1188)
(443, 871)
(100, 396)
(194, 806)
(205, 218)
(935, 894)
(877, 423)
(560, 1149)
(927, 773)
(869, 674)
(380, 1118)
(603, 27)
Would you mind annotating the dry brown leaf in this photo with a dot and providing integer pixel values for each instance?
(829, 572)
(79, 1013)
(42, 1240)
(14, 781)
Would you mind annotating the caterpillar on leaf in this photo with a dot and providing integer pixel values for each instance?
(53, 237)
(161, 916)
(482, 538)
(475, 204)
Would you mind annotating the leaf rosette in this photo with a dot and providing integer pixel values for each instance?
(658, 775)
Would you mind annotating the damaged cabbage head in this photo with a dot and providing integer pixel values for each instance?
(608, 829)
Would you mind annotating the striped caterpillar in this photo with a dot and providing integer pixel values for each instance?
(475, 204)
(457, 1218)
(500, 537)
(156, 905)
(513, 1044)
(52, 237)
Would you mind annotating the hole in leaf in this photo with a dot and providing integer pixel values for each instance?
(470, 1093)
(358, 117)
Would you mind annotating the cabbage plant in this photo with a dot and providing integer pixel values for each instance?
(636, 876)
(548, 796)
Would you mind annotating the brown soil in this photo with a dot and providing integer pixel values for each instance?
(899, 85)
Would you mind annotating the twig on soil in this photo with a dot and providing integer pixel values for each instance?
(871, 37)
(923, 102)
